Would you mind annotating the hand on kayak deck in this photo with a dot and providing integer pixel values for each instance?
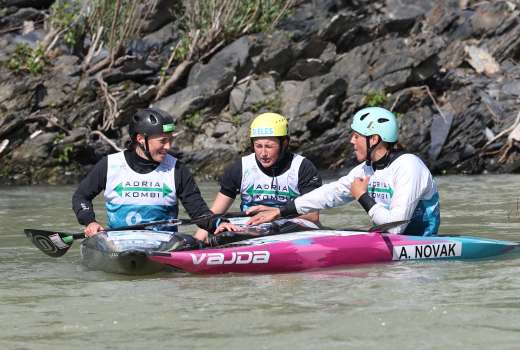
(227, 226)
(262, 214)
(93, 228)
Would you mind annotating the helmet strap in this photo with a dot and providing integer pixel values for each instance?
(370, 149)
(146, 149)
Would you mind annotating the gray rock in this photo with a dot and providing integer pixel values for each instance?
(441, 16)
(188, 100)
(438, 133)
(221, 129)
(35, 150)
(278, 55)
(66, 65)
(75, 134)
(304, 21)
(512, 88)
(328, 56)
(354, 37)
(312, 48)
(403, 9)
(162, 37)
(17, 19)
(119, 74)
(300, 101)
(252, 94)
(9, 124)
(328, 148)
(317, 69)
(58, 92)
(38, 4)
(306, 68)
(163, 14)
(227, 66)
(489, 17)
(507, 45)
(338, 25)
(210, 162)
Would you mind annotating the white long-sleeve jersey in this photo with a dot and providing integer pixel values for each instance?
(403, 190)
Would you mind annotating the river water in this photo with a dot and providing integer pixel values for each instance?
(54, 303)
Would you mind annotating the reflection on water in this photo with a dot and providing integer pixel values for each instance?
(54, 303)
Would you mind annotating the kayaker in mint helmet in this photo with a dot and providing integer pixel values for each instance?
(142, 183)
(271, 175)
(390, 185)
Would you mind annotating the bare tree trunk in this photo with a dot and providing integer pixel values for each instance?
(180, 71)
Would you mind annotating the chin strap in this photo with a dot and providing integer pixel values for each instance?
(144, 147)
(370, 149)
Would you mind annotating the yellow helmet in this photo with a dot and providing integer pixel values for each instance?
(269, 125)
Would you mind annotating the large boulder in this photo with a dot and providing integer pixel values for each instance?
(17, 19)
(253, 94)
(186, 101)
(226, 67)
(312, 105)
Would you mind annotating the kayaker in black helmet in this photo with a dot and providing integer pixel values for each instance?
(142, 183)
(271, 175)
(390, 185)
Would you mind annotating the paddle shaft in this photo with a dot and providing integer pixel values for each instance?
(56, 244)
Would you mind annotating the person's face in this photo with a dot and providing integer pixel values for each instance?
(267, 150)
(360, 146)
(158, 145)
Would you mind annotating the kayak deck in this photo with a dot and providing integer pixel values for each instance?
(126, 252)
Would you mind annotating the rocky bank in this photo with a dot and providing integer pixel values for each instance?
(449, 69)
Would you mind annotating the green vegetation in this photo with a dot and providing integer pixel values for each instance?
(66, 15)
(207, 25)
(193, 120)
(215, 20)
(27, 59)
(64, 154)
(236, 120)
(376, 99)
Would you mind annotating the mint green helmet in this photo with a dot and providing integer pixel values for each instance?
(376, 121)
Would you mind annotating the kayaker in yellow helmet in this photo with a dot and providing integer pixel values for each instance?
(390, 185)
(271, 176)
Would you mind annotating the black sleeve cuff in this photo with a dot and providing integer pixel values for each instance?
(85, 217)
(366, 201)
(289, 209)
(212, 223)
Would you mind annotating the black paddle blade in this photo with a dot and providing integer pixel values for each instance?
(50, 243)
(387, 226)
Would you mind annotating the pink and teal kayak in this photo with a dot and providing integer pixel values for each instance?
(310, 250)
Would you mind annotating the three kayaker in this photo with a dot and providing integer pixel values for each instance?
(142, 183)
(271, 176)
(390, 185)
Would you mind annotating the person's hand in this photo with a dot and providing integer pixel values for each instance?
(93, 228)
(359, 186)
(227, 226)
(262, 215)
(201, 235)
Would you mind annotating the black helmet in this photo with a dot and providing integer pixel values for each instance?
(150, 121)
